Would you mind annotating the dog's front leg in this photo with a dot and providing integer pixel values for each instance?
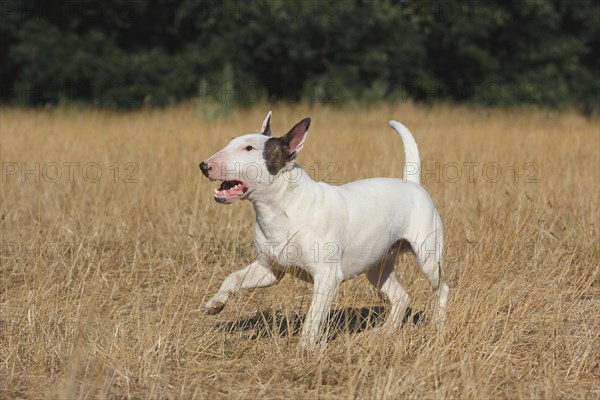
(254, 275)
(326, 283)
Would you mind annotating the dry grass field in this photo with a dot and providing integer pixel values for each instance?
(111, 241)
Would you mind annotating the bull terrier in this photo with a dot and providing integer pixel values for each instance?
(327, 234)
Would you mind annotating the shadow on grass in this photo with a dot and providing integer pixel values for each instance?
(342, 320)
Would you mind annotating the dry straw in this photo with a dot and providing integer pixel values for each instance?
(102, 274)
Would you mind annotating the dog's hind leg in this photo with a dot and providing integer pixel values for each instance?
(383, 277)
(429, 254)
(253, 276)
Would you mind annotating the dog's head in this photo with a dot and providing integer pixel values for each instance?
(251, 163)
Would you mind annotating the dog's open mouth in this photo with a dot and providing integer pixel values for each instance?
(229, 191)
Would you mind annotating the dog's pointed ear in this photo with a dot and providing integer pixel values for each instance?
(294, 139)
(266, 126)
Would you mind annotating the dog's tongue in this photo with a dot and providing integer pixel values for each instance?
(228, 191)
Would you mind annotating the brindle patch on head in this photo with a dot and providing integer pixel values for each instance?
(275, 154)
(280, 151)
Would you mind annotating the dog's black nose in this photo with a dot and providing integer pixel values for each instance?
(204, 168)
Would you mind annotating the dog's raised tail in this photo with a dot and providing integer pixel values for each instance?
(412, 162)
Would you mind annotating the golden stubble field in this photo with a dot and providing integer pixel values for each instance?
(111, 241)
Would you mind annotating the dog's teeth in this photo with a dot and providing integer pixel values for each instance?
(216, 191)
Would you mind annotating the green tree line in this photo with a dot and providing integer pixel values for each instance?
(129, 53)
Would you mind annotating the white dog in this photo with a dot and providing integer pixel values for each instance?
(327, 234)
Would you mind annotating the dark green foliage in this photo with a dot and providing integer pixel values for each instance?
(128, 53)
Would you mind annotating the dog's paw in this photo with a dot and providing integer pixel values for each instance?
(214, 307)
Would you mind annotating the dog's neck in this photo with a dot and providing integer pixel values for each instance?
(275, 208)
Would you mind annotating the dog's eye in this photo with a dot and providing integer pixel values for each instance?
(248, 148)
